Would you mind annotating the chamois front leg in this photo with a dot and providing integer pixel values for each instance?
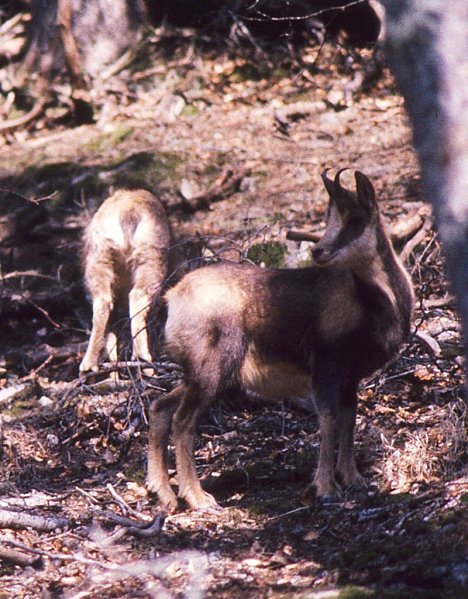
(326, 397)
(184, 426)
(160, 419)
(102, 308)
(346, 468)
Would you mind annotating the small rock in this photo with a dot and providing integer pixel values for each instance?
(46, 402)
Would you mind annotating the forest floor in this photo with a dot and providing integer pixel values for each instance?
(73, 450)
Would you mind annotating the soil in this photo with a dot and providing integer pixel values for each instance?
(75, 448)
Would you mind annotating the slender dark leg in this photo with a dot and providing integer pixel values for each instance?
(185, 424)
(326, 395)
(160, 420)
(346, 468)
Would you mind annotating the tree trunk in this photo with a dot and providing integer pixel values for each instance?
(83, 35)
(428, 49)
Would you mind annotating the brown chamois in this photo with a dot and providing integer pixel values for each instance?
(126, 248)
(312, 333)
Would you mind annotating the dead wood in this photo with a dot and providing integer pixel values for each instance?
(135, 527)
(295, 235)
(70, 50)
(406, 228)
(19, 520)
(416, 240)
(45, 352)
(27, 118)
(429, 342)
(19, 558)
(402, 231)
(439, 302)
(16, 392)
(227, 184)
(17, 274)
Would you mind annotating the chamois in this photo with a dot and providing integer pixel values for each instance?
(126, 247)
(310, 333)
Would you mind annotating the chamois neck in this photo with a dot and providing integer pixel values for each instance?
(383, 273)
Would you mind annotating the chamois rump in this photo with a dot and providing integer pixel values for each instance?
(310, 333)
(126, 250)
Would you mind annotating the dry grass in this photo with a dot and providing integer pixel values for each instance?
(437, 451)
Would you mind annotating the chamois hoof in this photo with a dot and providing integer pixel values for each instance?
(86, 367)
(167, 501)
(202, 502)
(325, 494)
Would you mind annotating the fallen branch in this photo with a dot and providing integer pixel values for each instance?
(225, 185)
(19, 520)
(294, 235)
(439, 302)
(34, 113)
(19, 559)
(406, 228)
(134, 527)
(21, 391)
(429, 342)
(403, 230)
(416, 240)
(25, 273)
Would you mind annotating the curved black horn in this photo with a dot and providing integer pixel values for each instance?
(336, 182)
(329, 185)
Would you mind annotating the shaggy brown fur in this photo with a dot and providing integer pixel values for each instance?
(312, 333)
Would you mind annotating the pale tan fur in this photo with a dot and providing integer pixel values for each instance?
(126, 248)
(273, 379)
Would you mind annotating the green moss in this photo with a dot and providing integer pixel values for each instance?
(191, 110)
(353, 592)
(305, 263)
(68, 182)
(105, 141)
(270, 254)
(276, 217)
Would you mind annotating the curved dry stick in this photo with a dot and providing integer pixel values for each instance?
(35, 111)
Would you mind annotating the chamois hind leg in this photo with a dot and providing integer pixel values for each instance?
(112, 353)
(326, 395)
(102, 308)
(147, 283)
(160, 418)
(346, 468)
(184, 425)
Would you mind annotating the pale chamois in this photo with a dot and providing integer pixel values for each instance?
(309, 333)
(126, 250)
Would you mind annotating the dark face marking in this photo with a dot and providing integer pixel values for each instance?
(354, 226)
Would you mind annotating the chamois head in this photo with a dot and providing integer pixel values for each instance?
(352, 220)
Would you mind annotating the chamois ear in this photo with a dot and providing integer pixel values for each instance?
(365, 192)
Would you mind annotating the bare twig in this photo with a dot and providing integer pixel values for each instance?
(24, 273)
